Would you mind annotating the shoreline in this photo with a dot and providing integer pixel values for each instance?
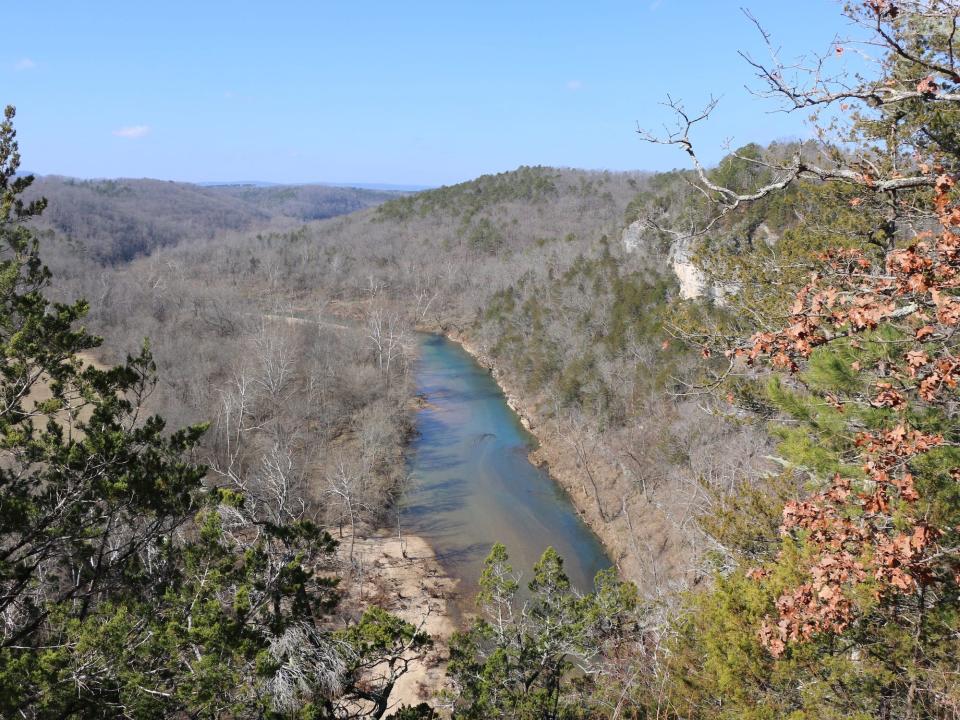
(552, 455)
(406, 578)
(403, 576)
(616, 534)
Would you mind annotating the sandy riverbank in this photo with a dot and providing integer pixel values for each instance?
(404, 577)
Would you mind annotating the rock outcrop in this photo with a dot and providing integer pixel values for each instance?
(693, 284)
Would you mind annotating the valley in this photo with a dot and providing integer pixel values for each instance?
(545, 444)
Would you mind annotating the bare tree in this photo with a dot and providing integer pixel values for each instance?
(388, 338)
(274, 357)
(345, 485)
(585, 441)
(808, 85)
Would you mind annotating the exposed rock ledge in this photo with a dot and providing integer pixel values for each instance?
(402, 575)
(693, 284)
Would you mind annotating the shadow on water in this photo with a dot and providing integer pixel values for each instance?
(429, 506)
(472, 484)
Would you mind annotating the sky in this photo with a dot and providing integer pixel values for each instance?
(408, 93)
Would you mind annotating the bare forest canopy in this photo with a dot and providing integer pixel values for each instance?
(745, 377)
(294, 338)
(117, 220)
(526, 265)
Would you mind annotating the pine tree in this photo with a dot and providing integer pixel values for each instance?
(541, 655)
(130, 585)
(855, 612)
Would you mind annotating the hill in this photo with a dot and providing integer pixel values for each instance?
(528, 269)
(118, 220)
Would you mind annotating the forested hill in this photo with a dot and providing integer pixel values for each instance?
(456, 241)
(118, 220)
(772, 461)
(526, 265)
(510, 210)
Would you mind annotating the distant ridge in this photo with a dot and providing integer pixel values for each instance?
(383, 187)
(118, 220)
(388, 187)
(238, 183)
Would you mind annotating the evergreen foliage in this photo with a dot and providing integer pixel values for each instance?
(130, 586)
(837, 596)
(537, 655)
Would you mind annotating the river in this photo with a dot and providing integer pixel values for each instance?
(472, 483)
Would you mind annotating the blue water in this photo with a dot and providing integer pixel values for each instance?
(472, 484)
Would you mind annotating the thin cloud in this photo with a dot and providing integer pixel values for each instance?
(574, 85)
(132, 132)
(235, 96)
(24, 64)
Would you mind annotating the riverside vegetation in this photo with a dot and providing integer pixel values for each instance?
(772, 465)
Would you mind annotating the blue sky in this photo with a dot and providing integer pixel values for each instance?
(415, 92)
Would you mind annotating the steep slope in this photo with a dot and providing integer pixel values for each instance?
(526, 268)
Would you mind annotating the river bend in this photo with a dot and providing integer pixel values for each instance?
(472, 483)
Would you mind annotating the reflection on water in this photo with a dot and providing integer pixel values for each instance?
(472, 484)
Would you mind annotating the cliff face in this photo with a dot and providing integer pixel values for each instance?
(693, 284)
